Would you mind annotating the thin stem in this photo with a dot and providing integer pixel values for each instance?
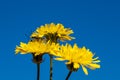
(70, 72)
(53, 38)
(38, 71)
(51, 66)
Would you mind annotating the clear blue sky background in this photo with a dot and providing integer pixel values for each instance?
(96, 25)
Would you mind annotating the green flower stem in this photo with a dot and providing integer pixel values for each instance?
(37, 60)
(38, 71)
(51, 66)
(53, 39)
(70, 72)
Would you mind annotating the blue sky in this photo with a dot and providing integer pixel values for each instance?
(96, 25)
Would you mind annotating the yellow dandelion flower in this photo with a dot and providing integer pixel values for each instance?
(77, 57)
(35, 47)
(53, 32)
